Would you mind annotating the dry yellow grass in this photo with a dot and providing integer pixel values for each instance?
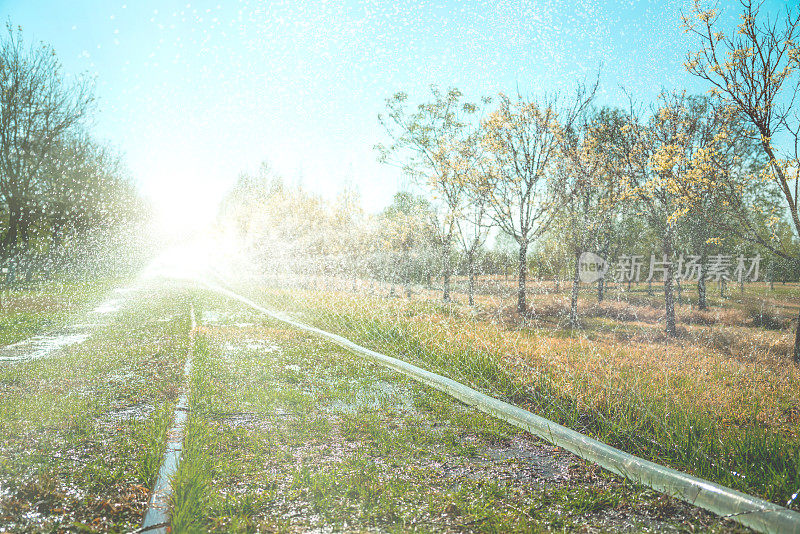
(718, 363)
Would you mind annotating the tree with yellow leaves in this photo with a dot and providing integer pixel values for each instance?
(522, 137)
(610, 218)
(755, 71)
(432, 145)
(651, 159)
(672, 166)
(711, 171)
(589, 193)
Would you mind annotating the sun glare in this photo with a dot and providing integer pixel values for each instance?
(181, 207)
(190, 261)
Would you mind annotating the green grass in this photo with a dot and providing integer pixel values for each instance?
(84, 429)
(306, 436)
(662, 428)
(26, 311)
(288, 433)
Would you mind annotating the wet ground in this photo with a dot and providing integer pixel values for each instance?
(286, 433)
(292, 434)
(83, 421)
(44, 345)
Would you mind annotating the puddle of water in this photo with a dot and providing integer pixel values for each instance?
(252, 344)
(258, 344)
(43, 345)
(125, 376)
(247, 420)
(210, 316)
(519, 460)
(136, 412)
(110, 306)
(40, 346)
(124, 290)
(85, 326)
(216, 317)
(262, 421)
(291, 316)
(32, 516)
(379, 396)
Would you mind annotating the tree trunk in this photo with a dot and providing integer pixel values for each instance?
(10, 239)
(446, 275)
(25, 223)
(573, 303)
(669, 298)
(57, 235)
(471, 267)
(797, 340)
(522, 305)
(701, 290)
(600, 288)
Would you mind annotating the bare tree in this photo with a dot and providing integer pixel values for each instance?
(36, 109)
(755, 70)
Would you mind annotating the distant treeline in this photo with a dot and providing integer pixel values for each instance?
(290, 230)
(66, 200)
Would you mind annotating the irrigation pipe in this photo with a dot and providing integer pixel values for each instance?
(747, 510)
(157, 517)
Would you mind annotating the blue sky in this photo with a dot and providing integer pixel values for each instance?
(194, 92)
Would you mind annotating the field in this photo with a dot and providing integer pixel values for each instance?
(238, 255)
(288, 433)
(721, 400)
(28, 311)
(84, 427)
